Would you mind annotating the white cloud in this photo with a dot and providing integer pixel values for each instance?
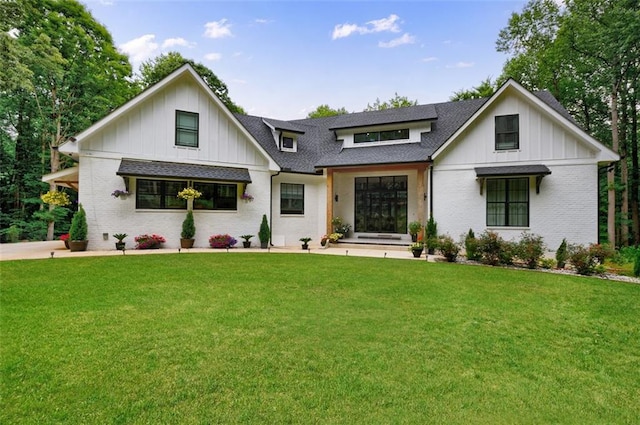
(462, 65)
(345, 30)
(385, 24)
(263, 21)
(213, 56)
(430, 59)
(217, 29)
(179, 41)
(389, 24)
(140, 48)
(405, 39)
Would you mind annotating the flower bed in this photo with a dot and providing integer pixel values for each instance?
(222, 241)
(149, 241)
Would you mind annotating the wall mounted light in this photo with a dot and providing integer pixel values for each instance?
(105, 236)
(336, 198)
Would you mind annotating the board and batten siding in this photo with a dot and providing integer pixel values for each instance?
(148, 131)
(567, 205)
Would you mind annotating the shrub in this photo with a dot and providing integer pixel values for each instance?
(561, 254)
(636, 264)
(530, 249)
(188, 226)
(149, 241)
(508, 251)
(448, 248)
(79, 229)
(489, 248)
(471, 246)
(547, 263)
(601, 252)
(431, 233)
(582, 259)
(263, 233)
(222, 241)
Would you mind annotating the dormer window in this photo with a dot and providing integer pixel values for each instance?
(507, 132)
(288, 144)
(186, 129)
(381, 136)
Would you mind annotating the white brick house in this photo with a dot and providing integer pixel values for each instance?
(511, 163)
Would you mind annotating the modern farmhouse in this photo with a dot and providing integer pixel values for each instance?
(513, 162)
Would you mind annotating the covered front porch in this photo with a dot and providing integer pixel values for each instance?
(377, 201)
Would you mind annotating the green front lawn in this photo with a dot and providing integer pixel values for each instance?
(299, 338)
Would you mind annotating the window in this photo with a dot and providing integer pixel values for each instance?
(186, 129)
(381, 136)
(291, 198)
(508, 202)
(287, 143)
(159, 194)
(216, 196)
(507, 134)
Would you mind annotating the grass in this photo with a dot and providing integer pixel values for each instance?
(283, 338)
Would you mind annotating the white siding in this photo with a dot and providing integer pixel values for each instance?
(287, 229)
(148, 131)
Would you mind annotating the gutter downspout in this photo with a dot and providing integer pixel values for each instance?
(430, 187)
(271, 206)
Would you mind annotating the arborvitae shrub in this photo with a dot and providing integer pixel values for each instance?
(471, 246)
(561, 254)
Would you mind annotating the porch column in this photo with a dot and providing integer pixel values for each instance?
(421, 190)
(329, 200)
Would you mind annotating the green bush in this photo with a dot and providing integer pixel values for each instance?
(530, 249)
(79, 229)
(188, 226)
(561, 254)
(264, 232)
(471, 246)
(636, 264)
(547, 263)
(601, 252)
(431, 234)
(582, 259)
(508, 252)
(448, 248)
(490, 247)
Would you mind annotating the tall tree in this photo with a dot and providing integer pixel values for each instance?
(486, 88)
(154, 70)
(326, 111)
(396, 101)
(76, 77)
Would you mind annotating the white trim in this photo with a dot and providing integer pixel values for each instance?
(186, 69)
(605, 155)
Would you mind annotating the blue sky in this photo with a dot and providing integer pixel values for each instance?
(282, 59)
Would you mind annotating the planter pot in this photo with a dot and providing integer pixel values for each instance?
(416, 252)
(414, 238)
(76, 246)
(66, 243)
(186, 243)
(120, 246)
(246, 244)
(305, 246)
(264, 245)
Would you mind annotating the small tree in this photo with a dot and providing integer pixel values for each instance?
(530, 249)
(471, 246)
(561, 254)
(264, 232)
(188, 226)
(432, 235)
(79, 228)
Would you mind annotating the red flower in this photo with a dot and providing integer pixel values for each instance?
(64, 237)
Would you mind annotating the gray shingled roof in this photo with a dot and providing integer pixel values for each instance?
(131, 167)
(513, 170)
(386, 116)
(318, 147)
(284, 125)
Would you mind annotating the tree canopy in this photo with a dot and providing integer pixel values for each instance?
(154, 70)
(485, 89)
(396, 101)
(326, 111)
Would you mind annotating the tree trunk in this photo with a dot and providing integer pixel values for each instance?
(635, 173)
(624, 176)
(611, 172)
(54, 162)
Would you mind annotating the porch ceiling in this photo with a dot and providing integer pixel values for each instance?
(65, 178)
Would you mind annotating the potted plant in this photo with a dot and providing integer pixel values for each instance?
(247, 242)
(264, 232)
(65, 238)
(222, 241)
(188, 231)
(305, 242)
(432, 235)
(340, 227)
(414, 228)
(147, 241)
(120, 237)
(416, 249)
(78, 231)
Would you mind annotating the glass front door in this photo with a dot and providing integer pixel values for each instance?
(381, 204)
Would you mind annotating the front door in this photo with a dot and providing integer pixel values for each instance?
(381, 204)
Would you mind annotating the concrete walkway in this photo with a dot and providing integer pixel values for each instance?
(47, 249)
